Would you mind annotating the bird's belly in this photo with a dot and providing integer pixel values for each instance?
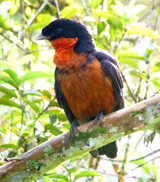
(87, 90)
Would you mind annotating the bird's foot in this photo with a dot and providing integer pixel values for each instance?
(73, 127)
(99, 118)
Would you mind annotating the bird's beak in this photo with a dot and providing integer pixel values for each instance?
(41, 37)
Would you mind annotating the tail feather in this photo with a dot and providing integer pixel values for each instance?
(110, 150)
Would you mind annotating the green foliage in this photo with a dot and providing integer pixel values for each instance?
(29, 112)
(49, 150)
(134, 113)
(88, 134)
(86, 173)
(32, 164)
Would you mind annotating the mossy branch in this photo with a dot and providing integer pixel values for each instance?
(27, 167)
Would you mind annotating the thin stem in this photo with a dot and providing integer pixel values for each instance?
(142, 137)
(146, 14)
(122, 172)
(130, 92)
(29, 24)
(144, 163)
(119, 41)
(58, 11)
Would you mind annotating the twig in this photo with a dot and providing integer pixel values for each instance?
(12, 126)
(144, 163)
(142, 137)
(42, 112)
(138, 90)
(19, 46)
(87, 13)
(58, 11)
(29, 24)
(34, 17)
(148, 79)
(130, 92)
(108, 174)
(85, 7)
(144, 16)
(119, 41)
(146, 155)
(122, 172)
(22, 107)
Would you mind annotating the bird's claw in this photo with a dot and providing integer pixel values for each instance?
(99, 118)
(73, 127)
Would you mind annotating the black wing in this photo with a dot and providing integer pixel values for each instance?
(62, 100)
(112, 71)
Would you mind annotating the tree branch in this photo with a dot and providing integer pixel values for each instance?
(142, 116)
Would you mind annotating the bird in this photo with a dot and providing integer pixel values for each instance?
(88, 81)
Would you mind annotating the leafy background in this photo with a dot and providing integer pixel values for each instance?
(29, 113)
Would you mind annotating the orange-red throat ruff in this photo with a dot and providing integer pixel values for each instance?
(64, 52)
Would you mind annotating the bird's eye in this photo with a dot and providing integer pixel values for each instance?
(59, 31)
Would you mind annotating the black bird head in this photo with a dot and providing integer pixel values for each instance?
(68, 28)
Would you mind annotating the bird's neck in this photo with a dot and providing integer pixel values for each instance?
(65, 56)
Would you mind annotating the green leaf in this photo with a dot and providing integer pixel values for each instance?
(12, 74)
(95, 3)
(25, 59)
(38, 25)
(6, 79)
(6, 97)
(66, 126)
(86, 173)
(101, 26)
(32, 105)
(46, 93)
(148, 52)
(50, 80)
(43, 139)
(8, 91)
(52, 129)
(156, 82)
(69, 11)
(8, 102)
(34, 47)
(62, 117)
(119, 8)
(154, 170)
(61, 176)
(138, 161)
(135, 10)
(44, 17)
(53, 118)
(3, 23)
(33, 1)
(115, 20)
(13, 9)
(72, 170)
(31, 92)
(16, 114)
(3, 64)
(129, 62)
(112, 32)
(8, 146)
(138, 74)
(131, 55)
(143, 31)
(2, 131)
(52, 112)
(32, 75)
(53, 103)
(46, 179)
